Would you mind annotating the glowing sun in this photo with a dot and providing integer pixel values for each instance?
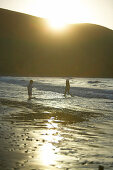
(57, 23)
(59, 13)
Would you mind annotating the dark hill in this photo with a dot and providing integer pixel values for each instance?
(29, 47)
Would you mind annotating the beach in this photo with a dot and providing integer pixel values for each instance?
(44, 138)
(24, 132)
(35, 135)
(56, 85)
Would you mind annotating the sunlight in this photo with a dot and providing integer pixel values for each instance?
(59, 13)
(47, 154)
(48, 151)
(57, 24)
(63, 13)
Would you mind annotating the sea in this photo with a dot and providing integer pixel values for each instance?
(89, 142)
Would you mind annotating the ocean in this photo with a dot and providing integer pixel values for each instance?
(84, 130)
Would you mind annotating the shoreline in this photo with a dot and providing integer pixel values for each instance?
(41, 107)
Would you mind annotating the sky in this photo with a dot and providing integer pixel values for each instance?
(61, 12)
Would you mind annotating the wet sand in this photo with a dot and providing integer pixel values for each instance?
(44, 139)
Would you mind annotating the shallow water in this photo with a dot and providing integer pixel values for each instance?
(74, 132)
(50, 92)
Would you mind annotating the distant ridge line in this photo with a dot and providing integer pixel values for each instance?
(29, 48)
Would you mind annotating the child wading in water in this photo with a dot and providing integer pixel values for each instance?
(67, 88)
(29, 88)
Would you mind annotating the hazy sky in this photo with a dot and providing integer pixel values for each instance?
(66, 11)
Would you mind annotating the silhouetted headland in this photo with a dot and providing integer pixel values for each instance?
(28, 47)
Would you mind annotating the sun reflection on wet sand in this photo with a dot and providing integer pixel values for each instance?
(48, 152)
(48, 156)
(53, 140)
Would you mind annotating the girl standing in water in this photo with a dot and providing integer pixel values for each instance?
(67, 88)
(29, 88)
